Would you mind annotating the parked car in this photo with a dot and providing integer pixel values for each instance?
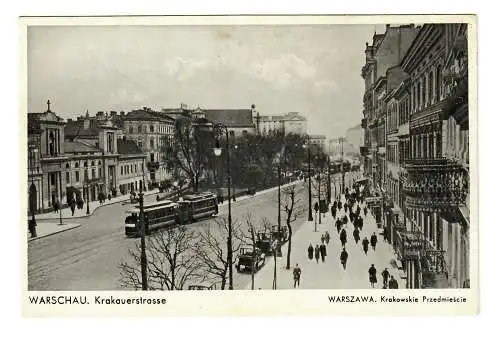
(249, 259)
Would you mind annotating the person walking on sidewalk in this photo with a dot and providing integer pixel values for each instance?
(343, 257)
(323, 239)
(343, 237)
(365, 245)
(385, 277)
(72, 205)
(355, 234)
(310, 251)
(385, 234)
(316, 253)
(338, 223)
(373, 241)
(296, 275)
(322, 251)
(393, 284)
(327, 237)
(365, 210)
(372, 275)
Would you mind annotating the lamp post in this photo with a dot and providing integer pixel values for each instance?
(144, 263)
(33, 193)
(320, 166)
(341, 141)
(219, 130)
(88, 196)
(310, 216)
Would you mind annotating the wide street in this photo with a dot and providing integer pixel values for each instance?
(87, 258)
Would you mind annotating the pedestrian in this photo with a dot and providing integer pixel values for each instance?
(393, 284)
(355, 234)
(385, 234)
(343, 258)
(296, 275)
(360, 224)
(72, 206)
(373, 241)
(327, 237)
(343, 237)
(316, 253)
(322, 251)
(365, 245)
(310, 251)
(345, 219)
(372, 273)
(338, 223)
(385, 277)
(323, 239)
(109, 197)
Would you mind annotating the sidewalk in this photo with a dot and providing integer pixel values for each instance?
(93, 206)
(50, 229)
(330, 274)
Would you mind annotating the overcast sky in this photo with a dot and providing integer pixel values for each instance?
(314, 70)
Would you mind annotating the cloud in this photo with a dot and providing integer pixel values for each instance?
(281, 70)
(185, 69)
(325, 86)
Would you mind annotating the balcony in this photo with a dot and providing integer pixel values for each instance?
(435, 184)
(152, 166)
(363, 150)
(434, 269)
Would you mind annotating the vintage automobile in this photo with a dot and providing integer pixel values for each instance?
(264, 243)
(279, 233)
(249, 260)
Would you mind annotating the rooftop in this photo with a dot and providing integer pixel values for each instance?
(78, 146)
(230, 117)
(128, 147)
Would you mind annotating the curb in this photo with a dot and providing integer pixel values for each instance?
(92, 212)
(53, 233)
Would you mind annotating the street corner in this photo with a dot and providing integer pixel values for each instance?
(49, 229)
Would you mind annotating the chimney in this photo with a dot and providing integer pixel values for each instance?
(122, 113)
(387, 26)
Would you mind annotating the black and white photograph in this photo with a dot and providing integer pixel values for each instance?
(178, 157)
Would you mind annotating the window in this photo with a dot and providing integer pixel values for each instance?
(424, 92)
(77, 164)
(142, 167)
(67, 177)
(152, 128)
(135, 168)
(85, 164)
(99, 173)
(93, 173)
(431, 89)
(86, 174)
(139, 129)
(110, 142)
(438, 83)
(121, 170)
(152, 143)
(77, 176)
(131, 129)
(139, 143)
(92, 163)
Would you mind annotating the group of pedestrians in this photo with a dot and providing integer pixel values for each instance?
(320, 249)
(388, 280)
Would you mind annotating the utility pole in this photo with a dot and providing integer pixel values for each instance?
(144, 262)
(279, 195)
(319, 187)
(341, 141)
(329, 191)
(310, 216)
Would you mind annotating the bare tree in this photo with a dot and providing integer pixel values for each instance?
(188, 152)
(212, 248)
(249, 236)
(294, 208)
(170, 259)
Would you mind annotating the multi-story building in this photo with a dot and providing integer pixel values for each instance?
(385, 52)
(132, 166)
(424, 109)
(319, 141)
(289, 123)
(46, 160)
(237, 121)
(436, 182)
(294, 123)
(269, 125)
(91, 143)
(151, 131)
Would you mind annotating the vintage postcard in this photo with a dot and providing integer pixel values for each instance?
(249, 165)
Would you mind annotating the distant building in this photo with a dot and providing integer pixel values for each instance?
(354, 139)
(132, 166)
(237, 121)
(289, 123)
(294, 123)
(151, 131)
(319, 141)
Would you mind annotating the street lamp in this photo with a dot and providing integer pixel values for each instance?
(144, 266)
(329, 191)
(33, 193)
(310, 216)
(221, 129)
(88, 195)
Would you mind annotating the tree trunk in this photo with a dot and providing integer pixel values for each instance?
(289, 245)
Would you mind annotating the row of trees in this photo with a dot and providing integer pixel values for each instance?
(179, 257)
(189, 155)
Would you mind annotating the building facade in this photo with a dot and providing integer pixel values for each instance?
(131, 167)
(46, 160)
(425, 177)
(151, 131)
(319, 141)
